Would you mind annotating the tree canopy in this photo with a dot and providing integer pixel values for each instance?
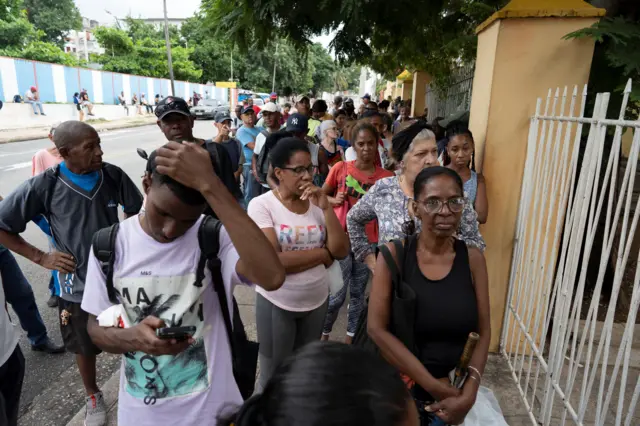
(54, 17)
(388, 36)
(20, 38)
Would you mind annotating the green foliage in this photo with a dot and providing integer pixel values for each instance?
(20, 39)
(54, 18)
(388, 36)
(141, 50)
(620, 37)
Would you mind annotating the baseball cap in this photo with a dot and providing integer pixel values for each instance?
(170, 105)
(366, 96)
(221, 117)
(271, 107)
(246, 109)
(33, 88)
(297, 123)
(273, 95)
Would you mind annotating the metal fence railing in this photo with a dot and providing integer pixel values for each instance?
(453, 99)
(562, 342)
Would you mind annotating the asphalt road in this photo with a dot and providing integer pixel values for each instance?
(52, 391)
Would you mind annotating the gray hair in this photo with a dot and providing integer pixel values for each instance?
(425, 134)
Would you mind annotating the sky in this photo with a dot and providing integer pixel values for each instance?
(99, 11)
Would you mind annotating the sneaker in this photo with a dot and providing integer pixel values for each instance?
(52, 302)
(49, 347)
(96, 414)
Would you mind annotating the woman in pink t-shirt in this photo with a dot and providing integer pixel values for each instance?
(347, 182)
(300, 223)
(45, 158)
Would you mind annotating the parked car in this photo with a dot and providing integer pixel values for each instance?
(208, 108)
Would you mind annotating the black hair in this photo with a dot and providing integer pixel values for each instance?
(457, 128)
(71, 133)
(363, 125)
(282, 152)
(374, 103)
(370, 113)
(287, 105)
(340, 112)
(184, 193)
(409, 227)
(76, 94)
(384, 104)
(401, 141)
(319, 106)
(388, 121)
(337, 100)
(328, 383)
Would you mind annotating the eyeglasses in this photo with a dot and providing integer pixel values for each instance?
(434, 205)
(300, 169)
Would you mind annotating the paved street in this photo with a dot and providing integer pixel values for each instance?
(52, 391)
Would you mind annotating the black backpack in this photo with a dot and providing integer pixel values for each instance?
(262, 164)
(17, 99)
(244, 353)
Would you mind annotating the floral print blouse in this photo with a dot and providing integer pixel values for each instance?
(386, 202)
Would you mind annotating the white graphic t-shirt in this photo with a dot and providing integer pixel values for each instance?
(307, 290)
(158, 279)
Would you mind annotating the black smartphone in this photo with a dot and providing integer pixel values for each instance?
(177, 333)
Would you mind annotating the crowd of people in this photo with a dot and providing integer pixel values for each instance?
(307, 204)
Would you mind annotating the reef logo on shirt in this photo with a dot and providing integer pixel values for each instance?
(176, 301)
(300, 237)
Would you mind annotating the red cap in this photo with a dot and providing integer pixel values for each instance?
(33, 88)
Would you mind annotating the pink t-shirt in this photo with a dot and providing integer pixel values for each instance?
(44, 159)
(197, 385)
(304, 291)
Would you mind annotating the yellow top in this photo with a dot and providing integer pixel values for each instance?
(543, 9)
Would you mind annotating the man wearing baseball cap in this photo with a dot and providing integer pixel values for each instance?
(33, 97)
(365, 99)
(298, 126)
(176, 122)
(233, 146)
(247, 135)
(271, 124)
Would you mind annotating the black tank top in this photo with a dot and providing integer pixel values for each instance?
(446, 310)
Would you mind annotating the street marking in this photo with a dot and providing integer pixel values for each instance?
(15, 166)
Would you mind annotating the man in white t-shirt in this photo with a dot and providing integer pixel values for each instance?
(271, 121)
(33, 97)
(11, 367)
(167, 382)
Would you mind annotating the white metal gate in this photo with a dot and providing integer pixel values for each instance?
(572, 359)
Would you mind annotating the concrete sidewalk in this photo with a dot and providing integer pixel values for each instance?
(101, 125)
(497, 375)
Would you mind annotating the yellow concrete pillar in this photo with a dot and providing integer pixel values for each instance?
(521, 54)
(421, 80)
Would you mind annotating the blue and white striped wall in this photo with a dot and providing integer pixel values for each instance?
(57, 83)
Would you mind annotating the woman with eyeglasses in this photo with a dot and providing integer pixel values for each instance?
(452, 300)
(413, 149)
(332, 146)
(298, 219)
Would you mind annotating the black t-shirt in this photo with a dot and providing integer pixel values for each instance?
(223, 166)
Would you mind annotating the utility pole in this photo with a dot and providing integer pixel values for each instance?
(166, 37)
(231, 79)
(275, 62)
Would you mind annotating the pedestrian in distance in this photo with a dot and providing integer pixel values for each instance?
(144, 102)
(286, 111)
(460, 157)
(271, 121)
(176, 123)
(85, 102)
(157, 279)
(135, 102)
(33, 97)
(300, 223)
(298, 126)
(84, 192)
(450, 284)
(12, 366)
(351, 387)
(337, 105)
(122, 100)
(347, 183)
(233, 146)
(247, 135)
(329, 136)
(77, 103)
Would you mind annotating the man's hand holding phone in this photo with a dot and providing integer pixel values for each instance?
(145, 338)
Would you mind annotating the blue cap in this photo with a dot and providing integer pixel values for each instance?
(366, 96)
(297, 123)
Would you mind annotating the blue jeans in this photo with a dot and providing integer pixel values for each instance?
(20, 296)
(248, 183)
(33, 105)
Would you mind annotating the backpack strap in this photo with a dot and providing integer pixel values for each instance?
(104, 249)
(209, 240)
(395, 266)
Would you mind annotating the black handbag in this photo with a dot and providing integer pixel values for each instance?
(403, 304)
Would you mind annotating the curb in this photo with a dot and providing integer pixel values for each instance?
(110, 392)
(44, 132)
